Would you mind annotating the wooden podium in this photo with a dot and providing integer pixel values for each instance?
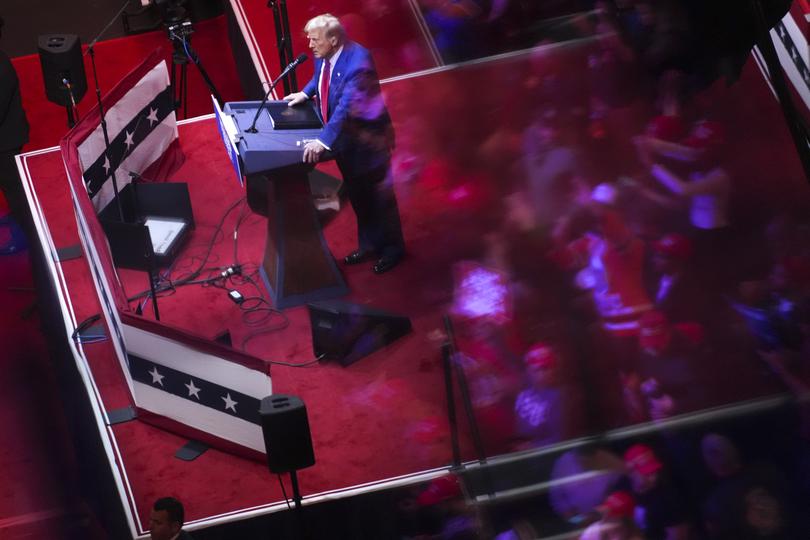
(297, 267)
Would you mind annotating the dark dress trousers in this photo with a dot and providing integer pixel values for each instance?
(360, 135)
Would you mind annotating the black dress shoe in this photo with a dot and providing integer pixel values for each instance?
(385, 263)
(357, 256)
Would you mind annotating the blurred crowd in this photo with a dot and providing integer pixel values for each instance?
(696, 485)
(619, 266)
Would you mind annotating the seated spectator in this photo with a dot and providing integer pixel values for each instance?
(576, 501)
(617, 520)
(444, 495)
(661, 507)
(748, 501)
(166, 520)
(540, 409)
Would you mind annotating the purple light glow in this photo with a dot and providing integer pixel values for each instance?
(481, 292)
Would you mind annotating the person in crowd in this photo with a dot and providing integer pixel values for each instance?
(445, 496)
(671, 380)
(706, 187)
(166, 520)
(541, 412)
(455, 26)
(674, 287)
(492, 388)
(616, 521)
(610, 263)
(13, 135)
(747, 501)
(576, 501)
(358, 131)
(660, 507)
(552, 166)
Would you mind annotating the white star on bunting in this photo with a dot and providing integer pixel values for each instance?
(157, 378)
(193, 390)
(129, 142)
(229, 403)
(152, 116)
(106, 165)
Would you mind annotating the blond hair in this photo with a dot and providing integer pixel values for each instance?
(328, 23)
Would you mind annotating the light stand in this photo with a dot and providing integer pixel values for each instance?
(283, 40)
(180, 36)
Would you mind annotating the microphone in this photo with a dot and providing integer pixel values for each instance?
(294, 64)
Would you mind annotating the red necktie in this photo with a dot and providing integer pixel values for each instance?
(325, 76)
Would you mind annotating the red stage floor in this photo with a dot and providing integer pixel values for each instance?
(382, 420)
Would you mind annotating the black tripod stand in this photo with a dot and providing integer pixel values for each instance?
(283, 40)
(182, 54)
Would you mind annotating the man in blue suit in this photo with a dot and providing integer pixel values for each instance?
(358, 132)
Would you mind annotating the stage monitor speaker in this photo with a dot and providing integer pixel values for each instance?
(61, 58)
(347, 332)
(286, 433)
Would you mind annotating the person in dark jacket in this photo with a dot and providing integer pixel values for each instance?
(13, 135)
(358, 131)
(166, 520)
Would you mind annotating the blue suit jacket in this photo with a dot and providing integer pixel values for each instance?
(359, 130)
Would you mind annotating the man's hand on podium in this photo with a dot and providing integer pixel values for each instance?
(295, 98)
(313, 151)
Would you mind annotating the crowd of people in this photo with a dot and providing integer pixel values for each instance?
(700, 484)
(643, 282)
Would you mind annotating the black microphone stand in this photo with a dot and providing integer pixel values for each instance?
(91, 50)
(70, 106)
(111, 173)
(287, 70)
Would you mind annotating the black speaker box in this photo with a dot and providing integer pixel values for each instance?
(286, 433)
(347, 332)
(61, 58)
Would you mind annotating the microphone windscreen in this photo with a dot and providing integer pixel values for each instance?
(301, 58)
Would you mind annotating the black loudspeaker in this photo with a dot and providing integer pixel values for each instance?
(61, 58)
(347, 332)
(286, 433)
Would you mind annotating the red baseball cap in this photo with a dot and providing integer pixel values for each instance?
(652, 323)
(439, 490)
(619, 504)
(641, 458)
(540, 355)
(674, 245)
(666, 127)
(705, 134)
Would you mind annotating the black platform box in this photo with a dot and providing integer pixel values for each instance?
(130, 241)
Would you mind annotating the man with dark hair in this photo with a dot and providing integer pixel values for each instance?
(358, 131)
(166, 520)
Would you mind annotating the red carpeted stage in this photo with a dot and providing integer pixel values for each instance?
(380, 422)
